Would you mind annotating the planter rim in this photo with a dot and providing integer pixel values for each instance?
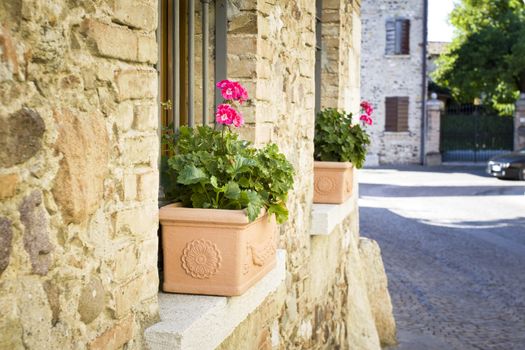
(336, 165)
(175, 212)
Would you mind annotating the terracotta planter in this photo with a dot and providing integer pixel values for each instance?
(333, 182)
(214, 251)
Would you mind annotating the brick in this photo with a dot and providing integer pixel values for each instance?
(135, 84)
(136, 13)
(8, 184)
(148, 185)
(145, 117)
(115, 337)
(138, 222)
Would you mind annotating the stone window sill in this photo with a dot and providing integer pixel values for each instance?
(325, 217)
(204, 322)
(397, 56)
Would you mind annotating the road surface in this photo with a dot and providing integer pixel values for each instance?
(453, 245)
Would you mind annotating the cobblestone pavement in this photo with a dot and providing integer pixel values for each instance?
(453, 244)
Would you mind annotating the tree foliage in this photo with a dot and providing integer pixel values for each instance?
(487, 56)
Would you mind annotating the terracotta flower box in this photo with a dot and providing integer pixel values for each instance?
(333, 182)
(215, 251)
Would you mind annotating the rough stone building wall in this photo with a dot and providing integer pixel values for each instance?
(78, 173)
(340, 68)
(392, 75)
(324, 303)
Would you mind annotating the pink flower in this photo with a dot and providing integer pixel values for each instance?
(366, 119)
(227, 115)
(232, 91)
(367, 108)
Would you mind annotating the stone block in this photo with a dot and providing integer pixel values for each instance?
(142, 287)
(242, 67)
(140, 150)
(147, 48)
(136, 84)
(242, 44)
(129, 186)
(139, 222)
(244, 23)
(8, 184)
(145, 117)
(124, 116)
(36, 234)
(20, 136)
(115, 337)
(6, 241)
(138, 14)
(433, 159)
(92, 300)
(9, 56)
(125, 262)
(148, 185)
(83, 143)
(111, 40)
(377, 291)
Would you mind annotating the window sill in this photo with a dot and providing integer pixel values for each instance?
(204, 322)
(325, 217)
(397, 56)
(396, 133)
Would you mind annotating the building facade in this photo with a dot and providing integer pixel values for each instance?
(79, 181)
(393, 78)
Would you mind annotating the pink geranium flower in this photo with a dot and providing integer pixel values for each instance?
(228, 115)
(367, 108)
(366, 119)
(232, 91)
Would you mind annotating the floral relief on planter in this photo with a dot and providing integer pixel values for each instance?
(333, 182)
(215, 251)
(201, 259)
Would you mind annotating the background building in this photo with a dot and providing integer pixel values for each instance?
(393, 77)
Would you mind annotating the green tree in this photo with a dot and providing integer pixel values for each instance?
(487, 56)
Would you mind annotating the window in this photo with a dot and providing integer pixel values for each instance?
(398, 37)
(396, 114)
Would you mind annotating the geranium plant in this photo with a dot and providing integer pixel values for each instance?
(211, 168)
(338, 139)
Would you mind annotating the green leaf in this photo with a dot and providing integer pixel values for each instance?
(190, 174)
(232, 190)
(213, 182)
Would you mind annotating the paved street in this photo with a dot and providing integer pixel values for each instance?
(453, 244)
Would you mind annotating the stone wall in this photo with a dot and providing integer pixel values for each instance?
(324, 303)
(78, 173)
(400, 75)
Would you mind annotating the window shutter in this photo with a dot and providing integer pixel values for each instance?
(390, 47)
(402, 114)
(404, 37)
(391, 114)
(396, 114)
